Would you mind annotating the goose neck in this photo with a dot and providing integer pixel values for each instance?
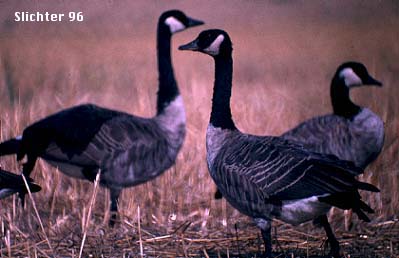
(221, 113)
(168, 89)
(340, 99)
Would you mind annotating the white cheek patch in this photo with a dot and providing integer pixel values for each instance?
(350, 77)
(214, 48)
(174, 24)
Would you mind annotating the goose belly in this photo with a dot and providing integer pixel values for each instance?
(368, 131)
(124, 173)
(68, 169)
(299, 211)
(71, 166)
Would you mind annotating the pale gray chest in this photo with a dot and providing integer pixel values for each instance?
(173, 118)
(173, 123)
(367, 131)
(370, 124)
(215, 140)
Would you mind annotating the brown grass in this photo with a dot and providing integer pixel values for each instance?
(285, 54)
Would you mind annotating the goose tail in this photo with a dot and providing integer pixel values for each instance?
(11, 183)
(10, 147)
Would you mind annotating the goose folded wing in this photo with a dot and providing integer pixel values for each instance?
(65, 133)
(284, 171)
(131, 141)
(85, 135)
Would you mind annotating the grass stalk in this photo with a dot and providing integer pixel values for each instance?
(37, 213)
(139, 229)
(88, 216)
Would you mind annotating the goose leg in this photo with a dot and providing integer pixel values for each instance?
(21, 196)
(266, 231)
(332, 240)
(29, 165)
(114, 205)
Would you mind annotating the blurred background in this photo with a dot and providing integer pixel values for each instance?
(285, 54)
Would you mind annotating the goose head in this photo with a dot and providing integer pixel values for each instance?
(212, 42)
(355, 74)
(177, 21)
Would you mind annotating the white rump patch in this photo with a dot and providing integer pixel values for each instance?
(19, 137)
(299, 211)
(174, 24)
(215, 137)
(214, 48)
(262, 223)
(350, 77)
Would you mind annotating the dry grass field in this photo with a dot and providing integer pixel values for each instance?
(285, 53)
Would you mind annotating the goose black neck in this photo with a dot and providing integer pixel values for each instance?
(168, 89)
(341, 102)
(221, 112)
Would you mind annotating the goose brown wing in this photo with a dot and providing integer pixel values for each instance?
(127, 141)
(85, 135)
(70, 130)
(284, 171)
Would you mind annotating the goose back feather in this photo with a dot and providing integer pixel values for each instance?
(359, 140)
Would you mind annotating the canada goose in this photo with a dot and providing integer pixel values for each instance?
(268, 177)
(11, 183)
(129, 150)
(351, 133)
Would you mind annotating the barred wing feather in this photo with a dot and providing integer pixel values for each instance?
(283, 171)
